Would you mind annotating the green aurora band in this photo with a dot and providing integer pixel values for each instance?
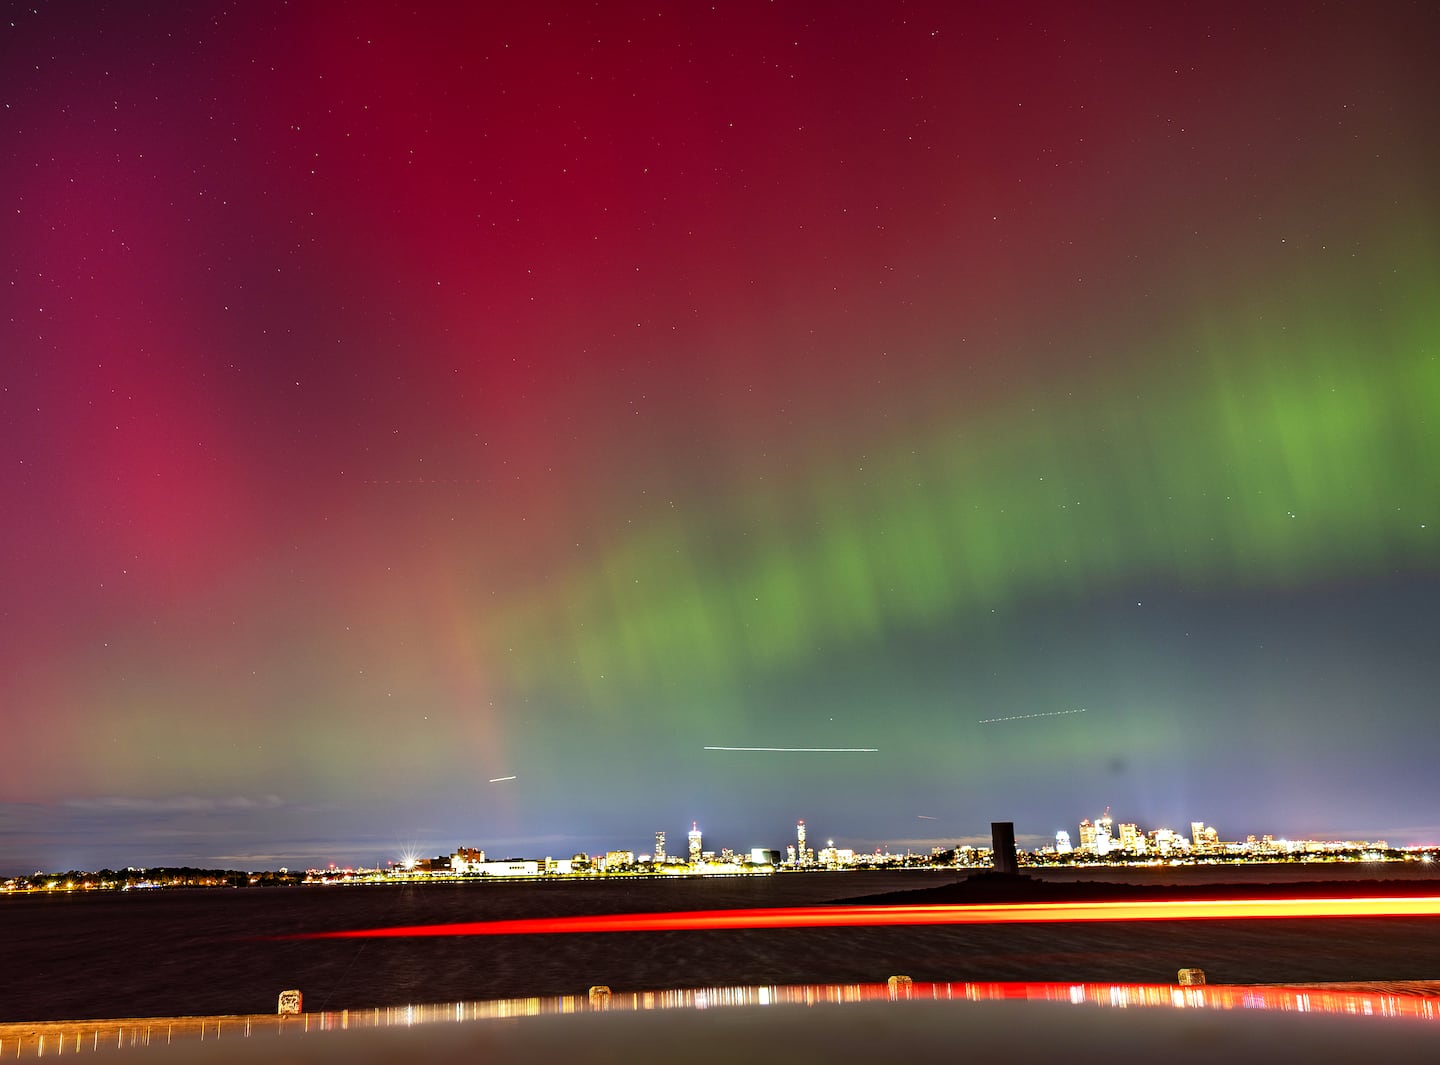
(1267, 455)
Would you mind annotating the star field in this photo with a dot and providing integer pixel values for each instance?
(394, 403)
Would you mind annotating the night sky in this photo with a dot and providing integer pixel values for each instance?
(396, 399)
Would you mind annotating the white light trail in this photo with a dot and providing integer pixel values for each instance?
(497, 780)
(802, 750)
(1027, 717)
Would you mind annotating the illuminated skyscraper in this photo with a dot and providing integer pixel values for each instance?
(1087, 836)
(694, 843)
(1197, 837)
(1104, 841)
(660, 847)
(800, 854)
(1131, 842)
(1062, 842)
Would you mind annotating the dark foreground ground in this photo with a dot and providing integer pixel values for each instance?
(206, 953)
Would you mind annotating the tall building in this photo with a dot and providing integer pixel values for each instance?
(1087, 836)
(1062, 842)
(1002, 848)
(1104, 841)
(660, 847)
(1197, 836)
(694, 843)
(800, 853)
(1131, 841)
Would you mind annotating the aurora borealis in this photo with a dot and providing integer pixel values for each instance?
(400, 402)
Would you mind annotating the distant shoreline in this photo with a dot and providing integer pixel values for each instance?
(1344, 869)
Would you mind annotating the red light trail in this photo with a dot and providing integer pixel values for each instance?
(886, 916)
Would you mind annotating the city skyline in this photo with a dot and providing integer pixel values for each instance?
(1102, 840)
(1122, 840)
(510, 424)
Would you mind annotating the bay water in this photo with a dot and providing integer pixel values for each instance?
(223, 951)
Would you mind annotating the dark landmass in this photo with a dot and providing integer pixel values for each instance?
(157, 876)
(999, 887)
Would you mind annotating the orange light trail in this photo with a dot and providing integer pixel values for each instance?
(886, 916)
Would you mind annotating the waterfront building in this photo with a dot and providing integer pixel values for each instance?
(660, 847)
(1062, 842)
(694, 843)
(1087, 836)
(511, 867)
(465, 858)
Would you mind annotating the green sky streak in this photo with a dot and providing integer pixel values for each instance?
(1267, 454)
